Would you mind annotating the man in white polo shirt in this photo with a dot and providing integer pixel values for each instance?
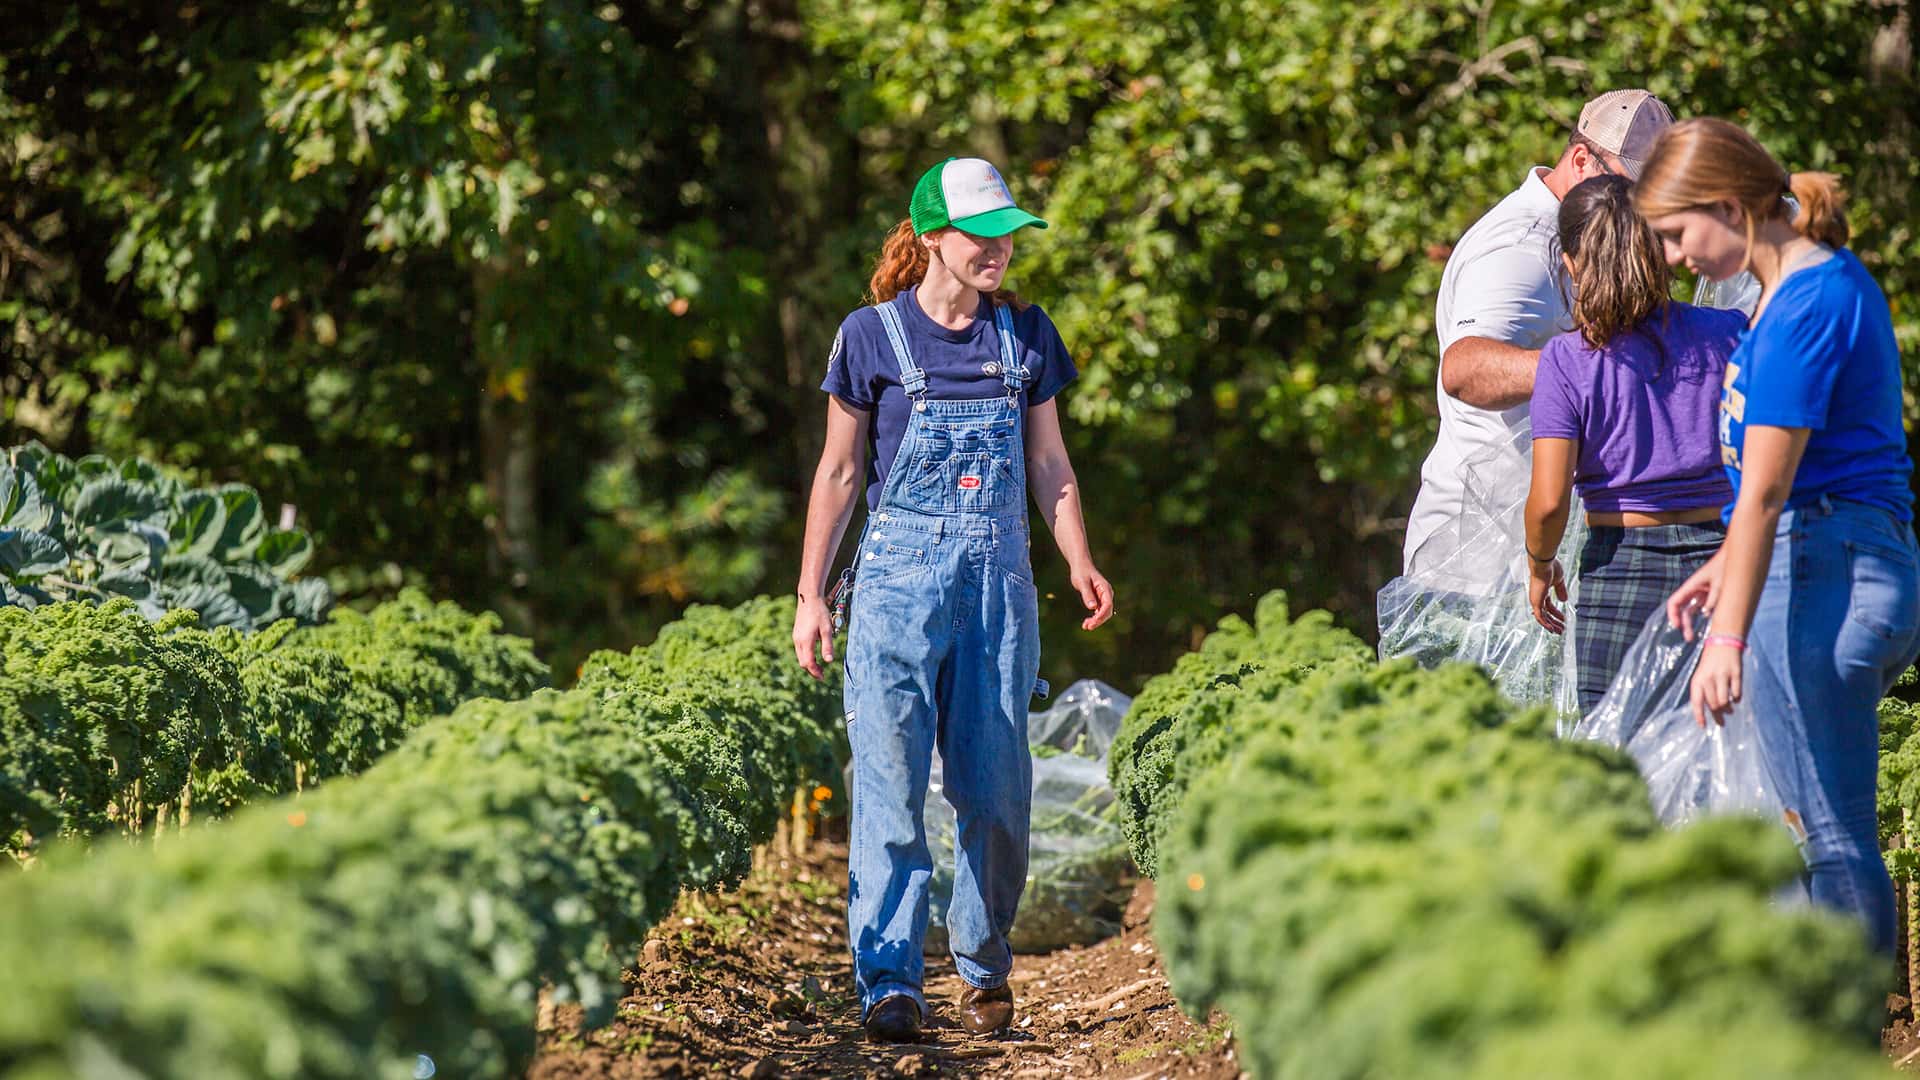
(1500, 300)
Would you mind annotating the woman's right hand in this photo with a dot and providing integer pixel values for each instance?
(1715, 688)
(1547, 583)
(1698, 593)
(813, 624)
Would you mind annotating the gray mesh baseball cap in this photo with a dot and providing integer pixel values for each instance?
(1625, 123)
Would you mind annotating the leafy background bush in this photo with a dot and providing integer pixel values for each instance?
(569, 275)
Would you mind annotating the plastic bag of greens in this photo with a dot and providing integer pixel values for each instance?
(1079, 875)
(1465, 597)
(1692, 772)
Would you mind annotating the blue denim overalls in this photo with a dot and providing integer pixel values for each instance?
(943, 650)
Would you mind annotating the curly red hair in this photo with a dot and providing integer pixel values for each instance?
(903, 264)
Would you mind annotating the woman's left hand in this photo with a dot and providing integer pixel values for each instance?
(1716, 684)
(1094, 592)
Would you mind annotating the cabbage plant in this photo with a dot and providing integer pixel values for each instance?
(92, 529)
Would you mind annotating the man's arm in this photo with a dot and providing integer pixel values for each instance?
(1502, 297)
(1488, 374)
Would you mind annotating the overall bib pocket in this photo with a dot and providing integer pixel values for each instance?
(964, 469)
(886, 558)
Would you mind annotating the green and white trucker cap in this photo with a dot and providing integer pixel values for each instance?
(968, 194)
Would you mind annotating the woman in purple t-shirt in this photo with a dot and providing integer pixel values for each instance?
(1624, 412)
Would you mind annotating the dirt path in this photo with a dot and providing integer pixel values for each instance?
(756, 983)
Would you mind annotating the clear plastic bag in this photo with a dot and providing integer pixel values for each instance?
(1740, 767)
(1466, 597)
(1740, 292)
(1079, 875)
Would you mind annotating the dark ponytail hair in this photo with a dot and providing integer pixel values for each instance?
(1620, 277)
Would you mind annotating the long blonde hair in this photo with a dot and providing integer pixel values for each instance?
(1698, 163)
(903, 264)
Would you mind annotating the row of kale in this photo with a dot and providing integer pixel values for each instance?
(112, 723)
(409, 914)
(1378, 870)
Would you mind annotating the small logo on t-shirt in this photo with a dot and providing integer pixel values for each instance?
(839, 342)
(968, 483)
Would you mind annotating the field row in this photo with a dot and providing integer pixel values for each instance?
(1379, 870)
(411, 913)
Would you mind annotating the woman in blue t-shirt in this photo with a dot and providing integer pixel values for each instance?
(1623, 410)
(1819, 576)
(942, 399)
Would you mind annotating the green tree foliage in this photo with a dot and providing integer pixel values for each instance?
(530, 299)
(1251, 205)
(462, 280)
(419, 907)
(1400, 872)
(111, 722)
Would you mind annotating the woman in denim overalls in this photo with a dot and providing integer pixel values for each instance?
(1819, 578)
(950, 380)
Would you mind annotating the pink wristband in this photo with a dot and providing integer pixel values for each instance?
(1732, 641)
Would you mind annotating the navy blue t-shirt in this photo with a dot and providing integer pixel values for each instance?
(1823, 357)
(960, 365)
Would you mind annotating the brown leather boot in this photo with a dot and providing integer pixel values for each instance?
(986, 1012)
(896, 1019)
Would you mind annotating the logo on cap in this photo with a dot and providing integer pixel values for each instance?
(995, 185)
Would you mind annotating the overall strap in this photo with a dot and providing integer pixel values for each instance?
(1012, 372)
(912, 379)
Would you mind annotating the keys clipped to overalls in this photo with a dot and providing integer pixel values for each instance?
(838, 596)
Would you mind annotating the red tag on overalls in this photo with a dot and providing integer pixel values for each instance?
(969, 482)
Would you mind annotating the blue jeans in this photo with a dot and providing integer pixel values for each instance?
(942, 651)
(1838, 621)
